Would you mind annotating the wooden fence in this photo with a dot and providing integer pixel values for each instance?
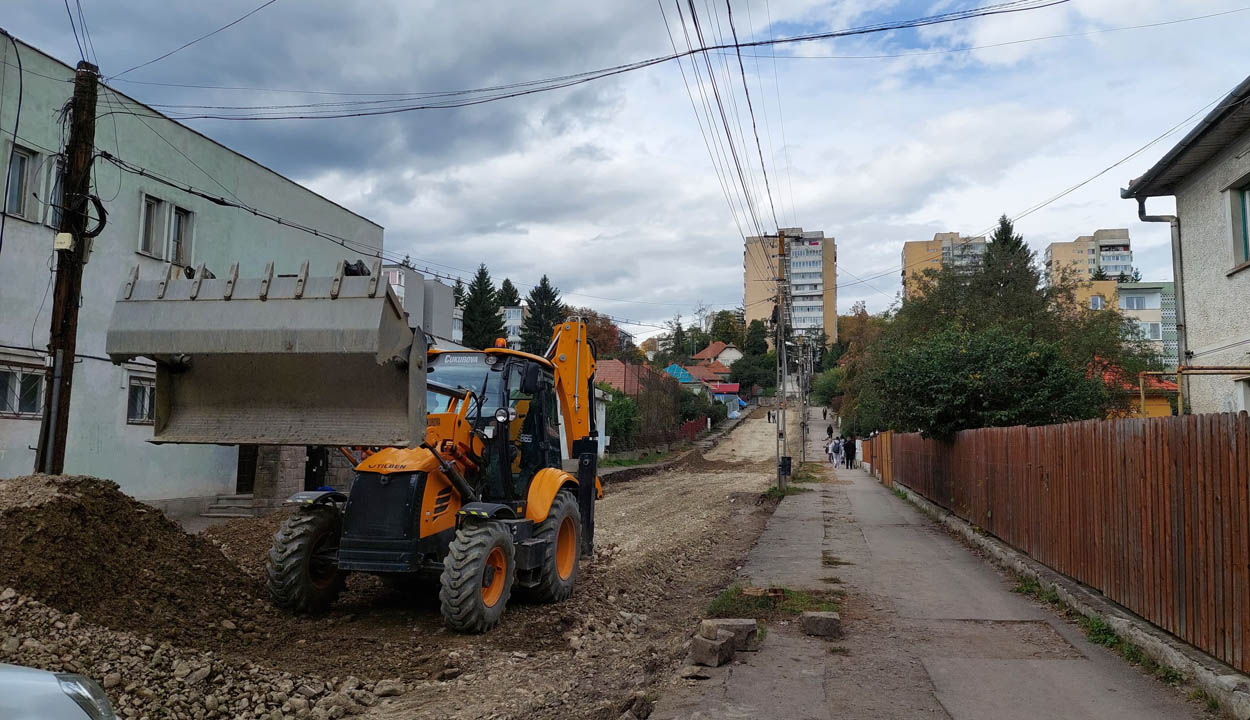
(1154, 513)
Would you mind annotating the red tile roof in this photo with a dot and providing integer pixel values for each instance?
(711, 351)
(611, 372)
(717, 367)
(703, 372)
(725, 388)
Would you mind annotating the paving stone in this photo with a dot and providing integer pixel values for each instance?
(712, 653)
(745, 631)
(821, 624)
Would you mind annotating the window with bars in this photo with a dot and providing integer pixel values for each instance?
(141, 401)
(21, 391)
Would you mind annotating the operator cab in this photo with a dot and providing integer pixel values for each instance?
(514, 410)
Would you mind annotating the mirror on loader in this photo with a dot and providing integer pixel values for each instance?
(277, 359)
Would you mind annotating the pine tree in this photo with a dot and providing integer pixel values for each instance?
(508, 295)
(482, 323)
(1099, 274)
(676, 344)
(457, 292)
(545, 312)
(756, 342)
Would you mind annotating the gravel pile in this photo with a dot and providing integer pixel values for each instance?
(145, 678)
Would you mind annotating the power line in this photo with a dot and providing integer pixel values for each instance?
(82, 22)
(782, 117)
(754, 129)
(921, 53)
(189, 44)
(537, 86)
(74, 27)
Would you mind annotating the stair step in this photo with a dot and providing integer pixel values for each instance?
(212, 513)
(234, 501)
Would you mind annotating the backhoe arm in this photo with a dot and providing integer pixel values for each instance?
(574, 359)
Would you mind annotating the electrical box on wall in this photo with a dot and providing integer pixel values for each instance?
(63, 241)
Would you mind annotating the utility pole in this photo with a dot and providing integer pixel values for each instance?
(63, 333)
(783, 480)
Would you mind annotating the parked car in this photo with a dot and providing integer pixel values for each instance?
(30, 694)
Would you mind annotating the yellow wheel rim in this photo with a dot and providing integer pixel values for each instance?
(496, 567)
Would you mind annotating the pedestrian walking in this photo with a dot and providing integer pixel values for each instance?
(829, 432)
(830, 445)
(824, 413)
(835, 451)
(849, 452)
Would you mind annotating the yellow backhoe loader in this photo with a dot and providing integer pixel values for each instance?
(464, 481)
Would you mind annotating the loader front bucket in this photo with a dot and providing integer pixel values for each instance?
(285, 360)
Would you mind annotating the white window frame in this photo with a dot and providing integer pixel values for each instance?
(1133, 302)
(1097, 302)
(174, 256)
(28, 181)
(160, 233)
(9, 403)
(148, 383)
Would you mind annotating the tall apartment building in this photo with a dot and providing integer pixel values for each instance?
(811, 273)
(946, 249)
(1111, 250)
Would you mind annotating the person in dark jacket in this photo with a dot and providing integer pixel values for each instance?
(849, 452)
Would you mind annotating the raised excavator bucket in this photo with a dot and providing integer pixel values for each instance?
(285, 360)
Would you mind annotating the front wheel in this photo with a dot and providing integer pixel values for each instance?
(303, 570)
(562, 536)
(477, 577)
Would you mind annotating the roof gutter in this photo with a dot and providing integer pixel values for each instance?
(1178, 276)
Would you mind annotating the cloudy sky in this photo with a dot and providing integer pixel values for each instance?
(607, 187)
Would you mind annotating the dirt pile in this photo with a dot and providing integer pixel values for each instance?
(246, 541)
(80, 545)
(144, 678)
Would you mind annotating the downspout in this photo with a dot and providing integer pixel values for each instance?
(1178, 276)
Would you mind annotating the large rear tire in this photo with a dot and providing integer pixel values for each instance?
(562, 533)
(303, 571)
(477, 577)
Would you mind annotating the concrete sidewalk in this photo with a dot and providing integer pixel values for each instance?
(932, 630)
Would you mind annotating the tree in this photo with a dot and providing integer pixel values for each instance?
(482, 322)
(826, 385)
(622, 418)
(457, 292)
(726, 328)
(956, 380)
(1136, 276)
(1100, 274)
(601, 331)
(676, 344)
(696, 339)
(751, 370)
(546, 311)
(755, 341)
(508, 295)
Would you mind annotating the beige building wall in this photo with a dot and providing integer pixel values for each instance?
(947, 248)
(830, 258)
(1104, 290)
(759, 258)
(1074, 256)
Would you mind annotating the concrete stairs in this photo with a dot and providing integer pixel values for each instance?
(232, 506)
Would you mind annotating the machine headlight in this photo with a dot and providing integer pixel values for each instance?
(501, 415)
(89, 696)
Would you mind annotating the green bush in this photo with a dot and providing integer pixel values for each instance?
(622, 419)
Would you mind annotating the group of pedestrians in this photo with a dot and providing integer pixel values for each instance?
(841, 450)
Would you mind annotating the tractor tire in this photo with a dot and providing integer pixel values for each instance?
(562, 531)
(303, 563)
(477, 577)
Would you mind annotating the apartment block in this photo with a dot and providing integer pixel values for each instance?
(946, 249)
(1152, 305)
(1109, 250)
(810, 272)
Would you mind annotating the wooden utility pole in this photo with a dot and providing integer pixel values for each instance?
(63, 334)
(783, 481)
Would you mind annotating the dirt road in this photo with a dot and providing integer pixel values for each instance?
(184, 629)
(667, 543)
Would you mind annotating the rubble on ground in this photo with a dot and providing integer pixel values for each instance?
(146, 678)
